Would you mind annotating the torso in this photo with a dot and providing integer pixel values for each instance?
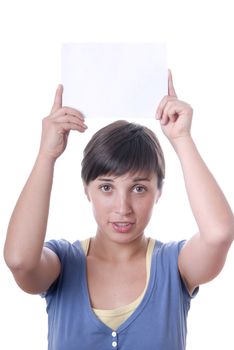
(114, 285)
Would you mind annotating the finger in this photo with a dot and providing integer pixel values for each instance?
(69, 119)
(71, 126)
(73, 111)
(171, 89)
(169, 114)
(68, 111)
(171, 111)
(57, 99)
(165, 118)
(162, 104)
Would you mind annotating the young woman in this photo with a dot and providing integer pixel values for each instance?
(119, 289)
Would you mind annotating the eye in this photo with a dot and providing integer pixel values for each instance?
(139, 189)
(106, 188)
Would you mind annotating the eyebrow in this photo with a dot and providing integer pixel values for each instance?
(138, 179)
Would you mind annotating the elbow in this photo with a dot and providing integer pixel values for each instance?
(227, 238)
(222, 235)
(16, 262)
(227, 231)
(13, 262)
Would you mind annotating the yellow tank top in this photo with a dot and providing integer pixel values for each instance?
(115, 317)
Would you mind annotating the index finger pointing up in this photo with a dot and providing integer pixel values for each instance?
(171, 89)
(57, 99)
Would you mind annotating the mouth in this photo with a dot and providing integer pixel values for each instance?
(122, 227)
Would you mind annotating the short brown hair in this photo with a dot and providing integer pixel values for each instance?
(123, 147)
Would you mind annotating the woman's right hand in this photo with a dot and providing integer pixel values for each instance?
(56, 127)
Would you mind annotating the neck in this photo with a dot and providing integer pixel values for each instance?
(106, 249)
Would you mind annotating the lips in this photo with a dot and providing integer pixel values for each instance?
(122, 227)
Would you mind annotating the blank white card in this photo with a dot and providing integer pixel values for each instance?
(114, 80)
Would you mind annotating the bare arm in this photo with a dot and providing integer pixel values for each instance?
(34, 267)
(203, 256)
(205, 253)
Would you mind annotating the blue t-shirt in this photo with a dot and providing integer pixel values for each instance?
(158, 323)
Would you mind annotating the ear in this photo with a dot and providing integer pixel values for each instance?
(86, 191)
(158, 195)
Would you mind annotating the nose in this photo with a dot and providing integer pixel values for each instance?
(123, 205)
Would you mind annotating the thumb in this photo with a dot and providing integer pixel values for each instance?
(57, 98)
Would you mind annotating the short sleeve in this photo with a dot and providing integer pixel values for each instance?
(60, 248)
(184, 287)
(169, 254)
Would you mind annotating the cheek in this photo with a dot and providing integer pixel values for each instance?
(100, 208)
(145, 210)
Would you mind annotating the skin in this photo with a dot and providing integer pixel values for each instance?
(119, 256)
(204, 255)
(117, 200)
(125, 200)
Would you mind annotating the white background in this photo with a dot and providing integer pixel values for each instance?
(199, 37)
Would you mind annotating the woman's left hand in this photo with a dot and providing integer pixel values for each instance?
(175, 116)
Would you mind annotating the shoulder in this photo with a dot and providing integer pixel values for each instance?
(71, 258)
(167, 266)
(63, 247)
(171, 248)
(167, 255)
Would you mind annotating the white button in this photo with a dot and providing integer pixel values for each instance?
(114, 334)
(114, 344)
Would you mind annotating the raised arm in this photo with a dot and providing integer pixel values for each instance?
(34, 267)
(203, 256)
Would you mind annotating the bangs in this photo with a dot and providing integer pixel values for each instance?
(126, 148)
(131, 156)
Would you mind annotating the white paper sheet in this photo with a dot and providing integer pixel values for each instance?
(114, 80)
